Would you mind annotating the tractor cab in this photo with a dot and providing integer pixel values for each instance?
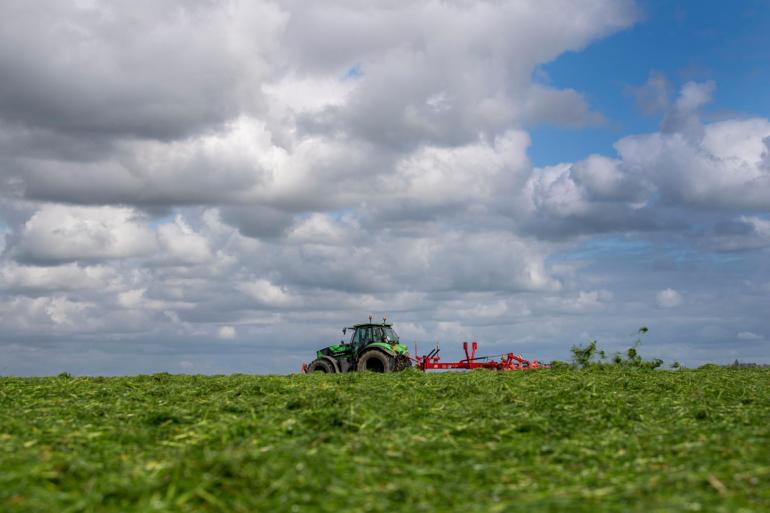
(365, 334)
(370, 346)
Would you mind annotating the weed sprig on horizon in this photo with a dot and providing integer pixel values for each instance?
(591, 356)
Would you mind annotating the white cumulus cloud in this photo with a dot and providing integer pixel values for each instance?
(66, 233)
(668, 298)
(226, 332)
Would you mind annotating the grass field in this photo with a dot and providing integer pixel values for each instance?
(547, 441)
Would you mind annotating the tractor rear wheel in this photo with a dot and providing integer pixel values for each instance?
(376, 361)
(321, 365)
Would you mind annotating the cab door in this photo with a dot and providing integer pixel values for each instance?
(362, 338)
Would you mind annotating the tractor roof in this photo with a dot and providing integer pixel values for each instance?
(373, 324)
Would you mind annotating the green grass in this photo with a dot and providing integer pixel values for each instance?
(547, 441)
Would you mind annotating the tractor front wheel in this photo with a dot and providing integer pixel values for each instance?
(376, 361)
(321, 365)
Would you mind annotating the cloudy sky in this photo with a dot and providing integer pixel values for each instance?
(220, 186)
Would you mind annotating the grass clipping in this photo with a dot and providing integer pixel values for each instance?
(609, 438)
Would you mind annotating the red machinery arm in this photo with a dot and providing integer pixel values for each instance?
(507, 362)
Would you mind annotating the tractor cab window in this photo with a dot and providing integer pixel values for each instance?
(390, 334)
(369, 334)
(362, 336)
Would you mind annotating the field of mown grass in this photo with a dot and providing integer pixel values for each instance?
(548, 441)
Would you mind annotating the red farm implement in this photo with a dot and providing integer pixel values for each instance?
(502, 362)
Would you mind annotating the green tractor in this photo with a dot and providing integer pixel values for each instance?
(371, 347)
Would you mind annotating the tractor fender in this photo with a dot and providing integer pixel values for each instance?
(331, 360)
(385, 348)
